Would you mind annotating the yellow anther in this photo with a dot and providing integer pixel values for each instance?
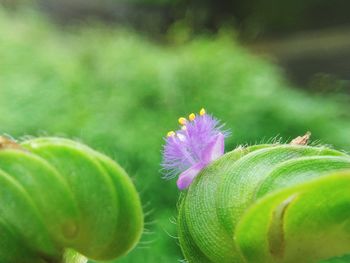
(184, 128)
(192, 116)
(182, 121)
(202, 112)
(170, 134)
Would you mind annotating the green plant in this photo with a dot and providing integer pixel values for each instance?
(62, 201)
(268, 203)
(119, 92)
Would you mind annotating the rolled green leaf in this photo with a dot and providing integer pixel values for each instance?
(268, 203)
(64, 202)
(305, 223)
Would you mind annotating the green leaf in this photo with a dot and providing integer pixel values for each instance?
(305, 223)
(64, 202)
(212, 208)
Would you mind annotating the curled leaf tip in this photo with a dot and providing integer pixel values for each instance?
(301, 140)
(198, 142)
(6, 143)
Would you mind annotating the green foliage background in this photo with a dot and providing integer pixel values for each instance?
(120, 93)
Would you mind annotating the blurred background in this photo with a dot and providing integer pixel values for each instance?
(117, 74)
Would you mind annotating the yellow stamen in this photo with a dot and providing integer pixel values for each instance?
(192, 116)
(202, 112)
(182, 121)
(170, 134)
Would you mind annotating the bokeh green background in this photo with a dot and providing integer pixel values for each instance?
(120, 92)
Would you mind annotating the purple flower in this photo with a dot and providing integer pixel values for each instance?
(188, 150)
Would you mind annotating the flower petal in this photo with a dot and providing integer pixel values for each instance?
(186, 178)
(215, 149)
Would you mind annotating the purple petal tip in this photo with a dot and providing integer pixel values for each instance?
(214, 149)
(186, 178)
